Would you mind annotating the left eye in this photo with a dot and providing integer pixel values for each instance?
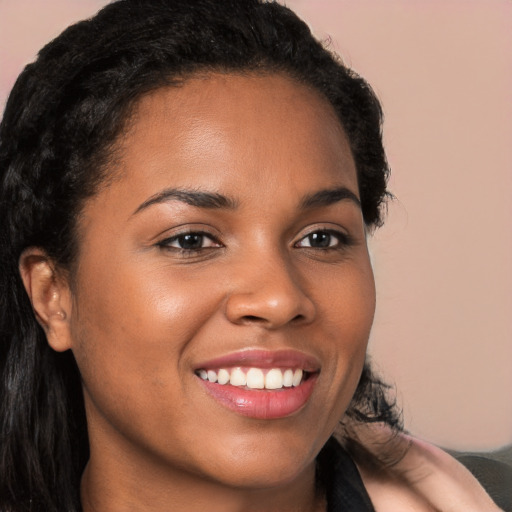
(189, 242)
(322, 240)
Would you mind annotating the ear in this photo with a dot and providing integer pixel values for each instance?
(50, 296)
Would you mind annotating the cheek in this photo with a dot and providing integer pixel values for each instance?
(349, 305)
(131, 333)
(136, 310)
(349, 316)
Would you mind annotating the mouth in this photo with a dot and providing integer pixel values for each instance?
(261, 384)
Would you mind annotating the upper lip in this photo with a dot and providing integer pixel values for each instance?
(264, 359)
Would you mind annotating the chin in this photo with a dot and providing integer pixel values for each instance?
(262, 462)
(263, 474)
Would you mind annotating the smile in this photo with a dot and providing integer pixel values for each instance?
(261, 384)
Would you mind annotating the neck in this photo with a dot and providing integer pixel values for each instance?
(120, 479)
(113, 489)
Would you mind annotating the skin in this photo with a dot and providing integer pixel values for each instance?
(140, 313)
(139, 316)
(425, 479)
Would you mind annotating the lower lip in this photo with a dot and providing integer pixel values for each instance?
(261, 403)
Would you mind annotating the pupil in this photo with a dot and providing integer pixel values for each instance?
(320, 239)
(191, 241)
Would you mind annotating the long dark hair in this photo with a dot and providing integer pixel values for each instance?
(56, 139)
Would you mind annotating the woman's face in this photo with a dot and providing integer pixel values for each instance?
(230, 242)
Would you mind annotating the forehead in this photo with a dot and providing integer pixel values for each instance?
(259, 138)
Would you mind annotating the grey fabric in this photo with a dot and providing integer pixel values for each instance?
(494, 471)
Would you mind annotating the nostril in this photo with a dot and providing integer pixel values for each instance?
(252, 318)
(259, 319)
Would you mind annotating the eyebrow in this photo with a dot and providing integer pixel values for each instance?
(191, 197)
(328, 197)
(213, 200)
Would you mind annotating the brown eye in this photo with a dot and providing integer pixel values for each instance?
(189, 242)
(320, 239)
(323, 240)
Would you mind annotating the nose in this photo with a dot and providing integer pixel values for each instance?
(268, 293)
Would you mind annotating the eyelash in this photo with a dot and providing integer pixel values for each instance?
(167, 243)
(343, 241)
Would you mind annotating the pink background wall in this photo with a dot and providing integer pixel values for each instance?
(443, 331)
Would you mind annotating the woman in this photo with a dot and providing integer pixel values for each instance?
(187, 295)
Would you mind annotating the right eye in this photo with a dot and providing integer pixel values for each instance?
(189, 242)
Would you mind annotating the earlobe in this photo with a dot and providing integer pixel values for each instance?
(50, 296)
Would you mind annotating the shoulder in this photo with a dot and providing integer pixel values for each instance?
(426, 478)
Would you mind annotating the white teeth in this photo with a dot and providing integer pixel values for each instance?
(274, 379)
(297, 377)
(288, 378)
(238, 377)
(223, 377)
(255, 379)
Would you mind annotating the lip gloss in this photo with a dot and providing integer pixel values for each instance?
(261, 403)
